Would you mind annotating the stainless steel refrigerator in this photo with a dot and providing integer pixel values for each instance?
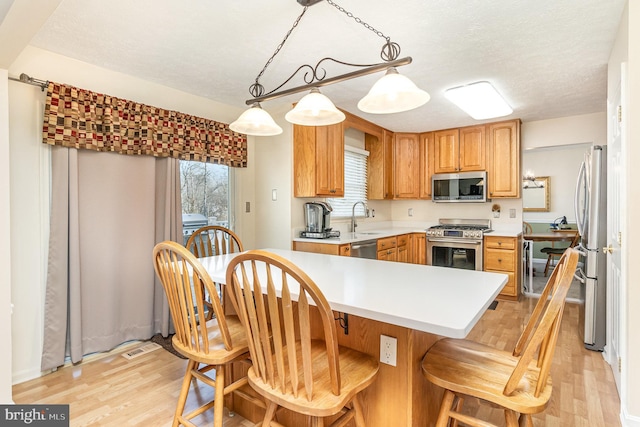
(591, 218)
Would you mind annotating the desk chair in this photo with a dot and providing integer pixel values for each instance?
(214, 343)
(517, 381)
(557, 252)
(213, 240)
(291, 369)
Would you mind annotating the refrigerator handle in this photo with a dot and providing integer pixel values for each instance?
(579, 184)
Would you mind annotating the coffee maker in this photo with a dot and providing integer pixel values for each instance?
(317, 217)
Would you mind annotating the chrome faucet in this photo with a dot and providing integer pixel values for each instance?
(354, 224)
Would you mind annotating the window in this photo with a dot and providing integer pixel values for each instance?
(204, 189)
(355, 183)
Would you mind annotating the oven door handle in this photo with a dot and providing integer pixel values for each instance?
(459, 242)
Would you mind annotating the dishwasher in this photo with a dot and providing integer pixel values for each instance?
(365, 249)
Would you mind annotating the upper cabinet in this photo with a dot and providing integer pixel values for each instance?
(459, 150)
(406, 160)
(504, 159)
(401, 164)
(318, 161)
(426, 164)
(380, 166)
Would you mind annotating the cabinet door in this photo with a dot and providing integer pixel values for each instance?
(504, 159)
(419, 250)
(426, 164)
(380, 165)
(330, 160)
(406, 166)
(445, 151)
(403, 253)
(472, 148)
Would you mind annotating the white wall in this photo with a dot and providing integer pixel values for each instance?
(27, 208)
(5, 246)
(585, 128)
(561, 164)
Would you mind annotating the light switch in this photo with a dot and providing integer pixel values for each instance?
(274, 194)
(247, 207)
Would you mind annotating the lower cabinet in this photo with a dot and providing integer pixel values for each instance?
(388, 249)
(323, 248)
(419, 248)
(409, 248)
(504, 255)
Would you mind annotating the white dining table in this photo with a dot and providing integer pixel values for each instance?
(438, 300)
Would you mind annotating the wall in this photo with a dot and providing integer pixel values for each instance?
(27, 180)
(561, 164)
(5, 246)
(586, 128)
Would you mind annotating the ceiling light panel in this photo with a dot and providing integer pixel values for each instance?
(480, 100)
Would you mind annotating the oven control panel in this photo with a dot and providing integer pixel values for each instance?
(465, 234)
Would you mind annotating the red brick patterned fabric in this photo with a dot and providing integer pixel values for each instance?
(79, 118)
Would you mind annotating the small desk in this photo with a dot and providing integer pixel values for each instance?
(416, 304)
(547, 236)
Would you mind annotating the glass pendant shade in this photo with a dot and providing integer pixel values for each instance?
(257, 122)
(315, 109)
(393, 93)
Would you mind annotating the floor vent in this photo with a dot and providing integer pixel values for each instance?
(147, 348)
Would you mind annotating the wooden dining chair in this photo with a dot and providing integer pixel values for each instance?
(517, 381)
(209, 344)
(213, 240)
(553, 252)
(291, 368)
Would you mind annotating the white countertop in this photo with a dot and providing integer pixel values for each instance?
(438, 300)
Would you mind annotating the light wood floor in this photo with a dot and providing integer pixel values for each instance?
(114, 391)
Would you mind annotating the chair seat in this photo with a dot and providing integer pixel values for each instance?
(357, 371)
(475, 369)
(217, 354)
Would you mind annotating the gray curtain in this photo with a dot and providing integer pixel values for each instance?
(107, 213)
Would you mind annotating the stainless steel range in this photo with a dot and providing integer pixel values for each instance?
(457, 243)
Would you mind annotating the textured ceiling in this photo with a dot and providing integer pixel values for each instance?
(547, 57)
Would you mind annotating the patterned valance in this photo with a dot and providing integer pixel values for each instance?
(79, 118)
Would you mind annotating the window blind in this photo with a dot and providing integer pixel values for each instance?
(355, 183)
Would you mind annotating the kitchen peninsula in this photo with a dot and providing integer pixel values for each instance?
(416, 304)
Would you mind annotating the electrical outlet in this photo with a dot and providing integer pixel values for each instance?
(410, 212)
(512, 213)
(388, 350)
(247, 207)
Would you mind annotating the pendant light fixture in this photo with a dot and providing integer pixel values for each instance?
(393, 93)
(256, 121)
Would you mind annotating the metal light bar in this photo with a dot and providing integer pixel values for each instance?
(337, 79)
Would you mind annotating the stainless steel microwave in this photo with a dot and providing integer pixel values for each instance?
(459, 187)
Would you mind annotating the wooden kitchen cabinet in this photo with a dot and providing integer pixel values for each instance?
(388, 249)
(318, 161)
(419, 248)
(403, 248)
(426, 164)
(504, 255)
(503, 172)
(406, 160)
(380, 165)
(323, 248)
(460, 150)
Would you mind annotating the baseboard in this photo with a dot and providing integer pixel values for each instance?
(628, 420)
